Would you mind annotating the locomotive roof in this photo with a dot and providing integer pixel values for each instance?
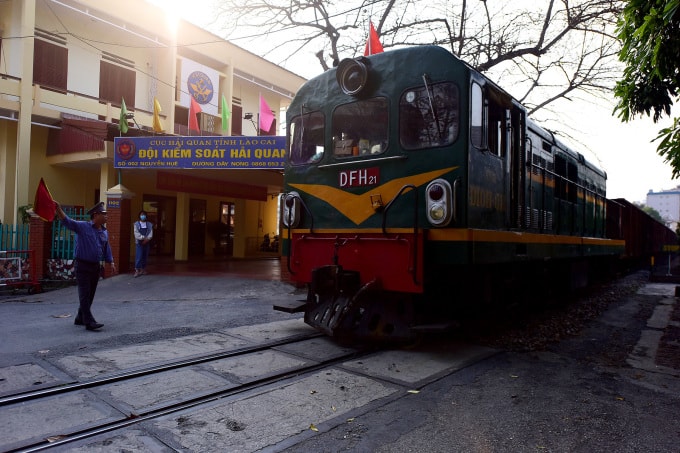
(407, 64)
(396, 69)
(549, 137)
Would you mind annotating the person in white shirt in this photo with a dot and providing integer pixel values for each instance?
(143, 235)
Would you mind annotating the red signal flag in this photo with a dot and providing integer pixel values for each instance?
(43, 205)
(373, 44)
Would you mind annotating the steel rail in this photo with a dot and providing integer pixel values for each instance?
(71, 387)
(187, 404)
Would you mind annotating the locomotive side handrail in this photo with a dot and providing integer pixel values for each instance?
(415, 225)
(290, 238)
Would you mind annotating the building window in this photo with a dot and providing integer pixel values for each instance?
(236, 119)
(116, 83)
(50, 65)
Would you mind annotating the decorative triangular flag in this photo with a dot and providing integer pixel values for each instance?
(122, 121)
(225, 114)
(373, 44)
(194, 109)
(157, 125)
(266, 115)
(43, 205)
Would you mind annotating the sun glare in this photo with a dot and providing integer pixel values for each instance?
(194, 11)
(172, 9)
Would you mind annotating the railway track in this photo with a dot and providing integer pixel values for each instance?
(127, 375)
(188, 400)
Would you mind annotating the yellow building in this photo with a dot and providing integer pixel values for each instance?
(65, 68)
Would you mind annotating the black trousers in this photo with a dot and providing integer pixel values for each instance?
(87, 277)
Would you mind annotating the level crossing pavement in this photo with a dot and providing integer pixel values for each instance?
(574, 396)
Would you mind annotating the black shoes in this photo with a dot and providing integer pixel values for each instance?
(94, 326)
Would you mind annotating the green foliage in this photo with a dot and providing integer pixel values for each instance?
(650, 34)
(653, 213)
(669, 147)
(23, 212)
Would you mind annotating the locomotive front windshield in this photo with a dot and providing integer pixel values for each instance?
(428, 116)
(360, 128)
(306, 138)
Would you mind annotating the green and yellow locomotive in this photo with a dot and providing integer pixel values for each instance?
(414, 181)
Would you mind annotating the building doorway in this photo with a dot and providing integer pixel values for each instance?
(224, 241)
(161, 212)
(197, 210)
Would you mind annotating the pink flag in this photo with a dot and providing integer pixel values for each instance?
(266, 115)
(373, 44)
(193, 110)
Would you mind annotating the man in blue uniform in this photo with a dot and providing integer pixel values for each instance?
(92, 249)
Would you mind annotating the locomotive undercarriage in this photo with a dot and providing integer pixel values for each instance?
(338, 305)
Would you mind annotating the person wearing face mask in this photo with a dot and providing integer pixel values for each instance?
(143, 235)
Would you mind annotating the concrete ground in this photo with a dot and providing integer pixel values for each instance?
(614, 387)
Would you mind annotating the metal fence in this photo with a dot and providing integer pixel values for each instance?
(14, 237)
(63, 239)
(17, 262)
(17, 270)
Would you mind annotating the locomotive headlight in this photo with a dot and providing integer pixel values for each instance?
(437, 212)
(435, 191)
(290, 209)
(352, 76)
(439, 205)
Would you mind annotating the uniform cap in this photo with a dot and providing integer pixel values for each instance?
(99, 207)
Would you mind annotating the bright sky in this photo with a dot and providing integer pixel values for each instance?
(624, 151)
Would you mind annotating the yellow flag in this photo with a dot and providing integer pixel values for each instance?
(157, 125)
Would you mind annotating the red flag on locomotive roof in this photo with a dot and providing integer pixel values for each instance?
(43, 205)
(373, 44)
(193, 110)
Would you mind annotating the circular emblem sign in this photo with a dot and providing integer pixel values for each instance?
(125, 149)
(200, 87)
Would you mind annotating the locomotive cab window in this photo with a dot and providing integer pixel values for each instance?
(567, 176)
(306, 135)
(428, 116)
(489, 119)
(360, 128)
(477, 134)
